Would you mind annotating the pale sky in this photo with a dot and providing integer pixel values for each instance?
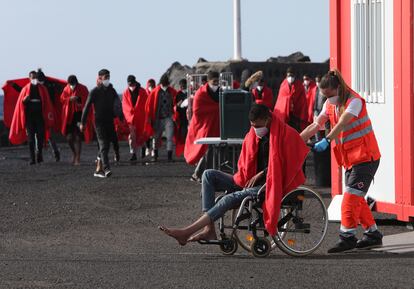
(143, 37)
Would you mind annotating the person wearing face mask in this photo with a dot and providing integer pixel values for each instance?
(356, 149)
(318, 105)
(73, 99)
(134, 99)
(204, 123)
(291, 103)
(263, 94)
(54, 94)
(32, 117)
(265, 158)
(159, 113)
(106, 104)
(310, 91)
(180, 117)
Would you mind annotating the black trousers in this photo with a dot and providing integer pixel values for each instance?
(105, 134)
(35, 129)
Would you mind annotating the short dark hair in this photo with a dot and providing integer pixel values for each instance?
(290, 70)
(212, 74)
(103, 72)
(72, 79)
(182, 82)
(40, 75)
(131, 79)
(151, 81)
(164, 80)
(34, 73)
(258, 111)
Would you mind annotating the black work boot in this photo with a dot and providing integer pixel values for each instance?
(57, 156)
(370, 240)
(170, 153)
(344, 244)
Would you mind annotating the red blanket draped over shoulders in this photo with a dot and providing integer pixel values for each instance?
(291, 101)
(267, 97)
(70, 107)
(205, 122)
(17, 134)
(288, 152)
(135, 115)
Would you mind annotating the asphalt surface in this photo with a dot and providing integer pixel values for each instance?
(62, 228)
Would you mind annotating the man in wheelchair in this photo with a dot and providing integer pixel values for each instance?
(282, 171)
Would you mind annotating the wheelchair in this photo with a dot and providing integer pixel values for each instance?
(302, 225)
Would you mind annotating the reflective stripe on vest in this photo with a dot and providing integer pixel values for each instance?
(356, 135)
(356, 123)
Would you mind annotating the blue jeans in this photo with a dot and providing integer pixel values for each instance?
(213, 181)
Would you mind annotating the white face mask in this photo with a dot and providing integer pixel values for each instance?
(306, 82)
(213, 87)
(72, 87)
(290, 79)
(164, 87)
(259, 88)
(317, 84)
(131, 88)
(150, 88)
(333, 99)
(105, 82)
(34, 81)
(261, 131)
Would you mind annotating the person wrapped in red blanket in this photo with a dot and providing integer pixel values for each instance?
(272, 153)
(33, 117)
(73, 99)
(291, 104)
(134, 100)
(205, 122)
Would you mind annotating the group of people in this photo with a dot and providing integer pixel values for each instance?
(274, 146)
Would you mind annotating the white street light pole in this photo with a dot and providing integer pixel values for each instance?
(236, 30)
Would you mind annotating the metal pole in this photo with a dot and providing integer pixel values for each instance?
(237, 30)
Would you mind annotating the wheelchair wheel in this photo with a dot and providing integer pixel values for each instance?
(243, 233)
(261, 247)
(303, 222)
(229, 246)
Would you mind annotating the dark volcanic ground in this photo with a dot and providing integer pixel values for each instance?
(62, 228)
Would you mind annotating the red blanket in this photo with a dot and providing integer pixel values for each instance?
(288, 152)
(135, 115)
(205, 122)
(266, 99)
(17, 134)
(70, 107)
(310, 100)
(291, 101)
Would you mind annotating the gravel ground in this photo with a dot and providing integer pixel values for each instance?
(62, 228)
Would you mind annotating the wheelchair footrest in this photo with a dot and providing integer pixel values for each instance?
(213, 242)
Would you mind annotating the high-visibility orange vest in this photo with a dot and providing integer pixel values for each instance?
(356, 143)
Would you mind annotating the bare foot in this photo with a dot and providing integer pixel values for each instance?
(203, 235)
(177, 234)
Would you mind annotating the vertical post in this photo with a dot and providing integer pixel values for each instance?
(236, 30)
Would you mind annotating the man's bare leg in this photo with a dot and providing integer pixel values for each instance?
(208, 233)
(182, 235)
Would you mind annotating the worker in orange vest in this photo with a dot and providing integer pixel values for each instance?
(356, 149)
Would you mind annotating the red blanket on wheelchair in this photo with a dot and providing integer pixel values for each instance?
(287, 153)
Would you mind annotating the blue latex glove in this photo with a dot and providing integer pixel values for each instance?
(320, 146)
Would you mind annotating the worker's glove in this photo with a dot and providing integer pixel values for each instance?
(320, 146)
